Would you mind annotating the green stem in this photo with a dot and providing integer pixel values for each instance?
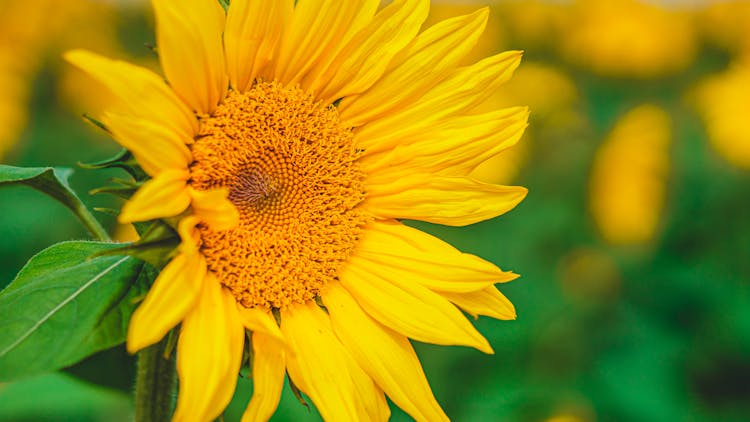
(155, 384)
(90, 222)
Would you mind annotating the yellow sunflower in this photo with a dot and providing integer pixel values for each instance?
(288, 140)
(628, 186)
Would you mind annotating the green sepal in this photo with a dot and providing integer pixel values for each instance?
(124, 160)
(65, 305)
(297, 393)
(109, 211)
(53, 181)
(156, 245)
(224, 4)
(96, 123)
(118, 190)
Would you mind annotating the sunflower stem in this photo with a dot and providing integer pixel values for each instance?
(155, 384)
(91, 223)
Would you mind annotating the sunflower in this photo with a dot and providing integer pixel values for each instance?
(288, 140)
(629, 175)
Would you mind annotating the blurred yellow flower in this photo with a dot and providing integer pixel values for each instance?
(726, 24)
(723, 103)
(628, 38)
(628, 178)
(544, 88)
(93, 25)
(28, 32)
(534, 24)
(20, 44)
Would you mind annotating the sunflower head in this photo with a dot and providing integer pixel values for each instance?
(291, 171)
(287, 143)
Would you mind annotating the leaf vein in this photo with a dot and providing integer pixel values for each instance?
(54, 310)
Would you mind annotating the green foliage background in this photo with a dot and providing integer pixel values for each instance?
(669, 339)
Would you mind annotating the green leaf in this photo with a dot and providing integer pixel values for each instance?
(53, 182)
(60, 397)
(64, 306)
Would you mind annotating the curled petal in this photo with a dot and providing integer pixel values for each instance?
(166, 195)
(214, 208)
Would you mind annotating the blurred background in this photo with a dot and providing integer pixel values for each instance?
(633, 244)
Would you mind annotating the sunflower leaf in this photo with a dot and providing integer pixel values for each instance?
(53, 182)
(65, 305)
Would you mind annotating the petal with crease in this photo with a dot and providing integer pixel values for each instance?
(154, 145)
(209, 353)
(191, 51)
(457, 94)
(139, 92)
(454, 146)
(269, 369)
(452, 201)
(252, 37)
(409, 309)
(364, 59)
(324, 370)
(418, 67)
(166, 195)
(172, 296)
(488, 301)
(386, 356)
(395, 250)
(318, 30)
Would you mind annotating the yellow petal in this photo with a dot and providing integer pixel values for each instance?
(269, 369)
(189, 38)
(173, 294)
(454, 146)
(214, 208)
(366, 56)
(457, 94)
(386, 356)
(209, 353)
(154, 145)
(139, 92)
(260, 321)
(417, 68)
(319, 29)
(396, 250)
(408, 308)
(166, 195)
(252, 37)
(189, 234)
(452, 201)
(489, 302)
(325, 371)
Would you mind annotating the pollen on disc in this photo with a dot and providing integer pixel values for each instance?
(291, 170)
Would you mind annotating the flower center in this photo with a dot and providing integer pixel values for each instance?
(291, 170)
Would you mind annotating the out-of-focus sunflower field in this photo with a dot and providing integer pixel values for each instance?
(633, 243)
